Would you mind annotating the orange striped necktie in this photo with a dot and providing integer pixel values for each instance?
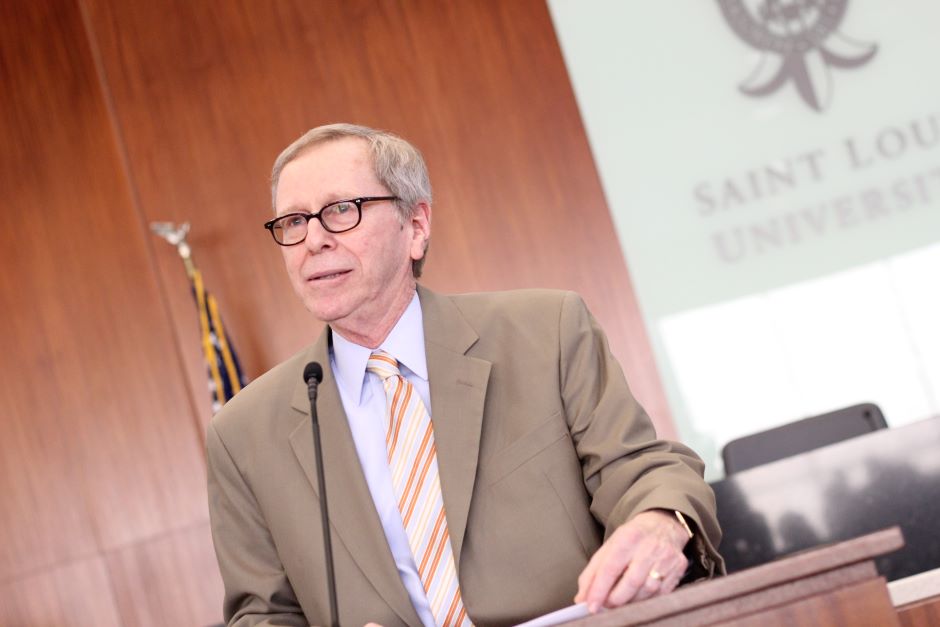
(412, 458)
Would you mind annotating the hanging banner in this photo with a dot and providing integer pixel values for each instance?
(773, 170)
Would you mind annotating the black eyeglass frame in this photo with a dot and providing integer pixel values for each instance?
(269, 225)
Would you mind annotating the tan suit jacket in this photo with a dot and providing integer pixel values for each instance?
(541, 447)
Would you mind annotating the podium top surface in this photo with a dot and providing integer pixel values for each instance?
(776, 575)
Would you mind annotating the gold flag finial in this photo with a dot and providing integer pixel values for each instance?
(176, 235)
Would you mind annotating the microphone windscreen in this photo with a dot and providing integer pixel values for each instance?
(313, 371)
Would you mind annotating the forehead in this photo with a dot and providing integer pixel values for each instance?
(337, 169)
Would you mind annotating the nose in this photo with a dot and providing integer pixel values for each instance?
(318, 238)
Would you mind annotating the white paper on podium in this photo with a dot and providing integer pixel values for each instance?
(565, 614)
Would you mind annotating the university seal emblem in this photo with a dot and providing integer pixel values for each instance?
(799, 42)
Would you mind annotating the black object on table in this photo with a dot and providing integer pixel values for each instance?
(837, 492)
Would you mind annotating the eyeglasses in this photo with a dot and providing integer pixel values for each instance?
(336, 217)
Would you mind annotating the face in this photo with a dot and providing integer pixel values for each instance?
(359, 281)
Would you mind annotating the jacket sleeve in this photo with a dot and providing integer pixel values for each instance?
(257, 591)
(626, 469)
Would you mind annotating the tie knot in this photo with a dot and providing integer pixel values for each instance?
(383, 364)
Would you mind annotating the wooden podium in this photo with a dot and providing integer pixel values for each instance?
(832, 585)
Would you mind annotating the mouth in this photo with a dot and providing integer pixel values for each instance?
(328, 275)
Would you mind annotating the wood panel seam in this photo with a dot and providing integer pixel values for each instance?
(121, 147)
(101, 553)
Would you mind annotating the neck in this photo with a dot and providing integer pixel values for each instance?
(371, 333)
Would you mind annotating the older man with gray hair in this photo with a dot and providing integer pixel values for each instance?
(485, 460)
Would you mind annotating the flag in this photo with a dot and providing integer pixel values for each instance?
(225, 373)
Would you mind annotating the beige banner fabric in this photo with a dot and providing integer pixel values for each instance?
(773, 170)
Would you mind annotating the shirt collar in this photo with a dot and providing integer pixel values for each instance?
(405, 343)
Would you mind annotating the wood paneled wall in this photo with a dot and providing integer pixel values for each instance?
(116, 113)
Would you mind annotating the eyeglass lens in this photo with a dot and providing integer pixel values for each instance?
(336, 218)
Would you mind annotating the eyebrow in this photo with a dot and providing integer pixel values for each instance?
(291, 209)
(302, 209)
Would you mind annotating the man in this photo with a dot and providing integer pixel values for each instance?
(485, 460)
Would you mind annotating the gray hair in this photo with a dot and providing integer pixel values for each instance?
(397, 164)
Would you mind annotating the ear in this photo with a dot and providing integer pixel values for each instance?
(420, 222)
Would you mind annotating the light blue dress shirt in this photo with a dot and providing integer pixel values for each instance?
(363, 398)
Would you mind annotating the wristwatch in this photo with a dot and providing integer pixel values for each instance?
(682, 521)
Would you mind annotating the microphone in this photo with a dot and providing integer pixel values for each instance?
(313, 374)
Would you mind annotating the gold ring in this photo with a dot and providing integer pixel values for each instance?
(655, 574)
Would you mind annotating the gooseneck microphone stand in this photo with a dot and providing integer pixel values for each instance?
(313, 374)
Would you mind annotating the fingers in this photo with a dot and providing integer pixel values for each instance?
(650, 588)
(638, 561)
(671, 581)
(636, 584)
(620, 559)
(603, 571)
(647, 578)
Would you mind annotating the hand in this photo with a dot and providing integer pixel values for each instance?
(641, 559)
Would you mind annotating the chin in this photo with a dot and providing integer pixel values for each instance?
(325, 312)
(324, 315)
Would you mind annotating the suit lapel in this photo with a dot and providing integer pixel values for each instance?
(458, 391)
(353, 518)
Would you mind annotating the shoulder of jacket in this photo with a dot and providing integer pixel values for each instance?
(513, 299)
